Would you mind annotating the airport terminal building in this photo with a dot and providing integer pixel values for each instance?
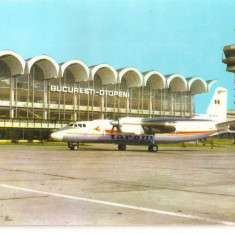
(38, 94)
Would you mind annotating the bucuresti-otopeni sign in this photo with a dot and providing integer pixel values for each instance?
(90, 91)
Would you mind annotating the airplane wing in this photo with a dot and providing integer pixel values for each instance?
(155, 125)
(158, 125)
(225, 124)
(158, 128)
(172, 119)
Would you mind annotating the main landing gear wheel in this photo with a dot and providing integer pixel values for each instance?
(122, 147)
(73, 146)
(153, 148)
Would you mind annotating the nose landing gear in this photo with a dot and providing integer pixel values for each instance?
(73, 146)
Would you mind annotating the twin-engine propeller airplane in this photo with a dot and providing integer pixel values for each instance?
(149, 131)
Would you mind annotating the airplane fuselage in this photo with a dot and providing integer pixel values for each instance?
(132, 133)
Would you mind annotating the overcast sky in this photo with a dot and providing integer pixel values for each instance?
(170, 36)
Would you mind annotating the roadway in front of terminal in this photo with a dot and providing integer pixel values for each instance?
(99, 185)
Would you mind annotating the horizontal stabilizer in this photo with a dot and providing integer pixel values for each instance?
(225, 124)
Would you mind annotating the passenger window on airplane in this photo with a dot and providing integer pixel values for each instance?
(84, 125)
(71, 124)
(80, 125)
(75, 125)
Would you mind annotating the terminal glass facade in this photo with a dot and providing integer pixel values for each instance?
(31, 96)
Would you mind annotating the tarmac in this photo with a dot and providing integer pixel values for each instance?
(99, 185)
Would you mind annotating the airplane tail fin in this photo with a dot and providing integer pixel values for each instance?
(217, 109)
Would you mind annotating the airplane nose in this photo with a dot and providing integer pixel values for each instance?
(56, 136)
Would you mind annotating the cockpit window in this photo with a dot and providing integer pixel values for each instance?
(77, 125)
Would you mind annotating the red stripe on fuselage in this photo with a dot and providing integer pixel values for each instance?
(193, 132)
(111, 131)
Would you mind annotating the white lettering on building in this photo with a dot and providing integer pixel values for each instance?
(88, 91)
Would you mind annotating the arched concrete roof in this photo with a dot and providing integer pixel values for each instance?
(155, 79)
(210, 83)
(79, 70)
(176, 82)
(14, 61)
(133, 77)
(48, 65)
(196, 85)
(106, 72)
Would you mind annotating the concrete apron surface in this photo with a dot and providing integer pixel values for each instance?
(99, 185)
